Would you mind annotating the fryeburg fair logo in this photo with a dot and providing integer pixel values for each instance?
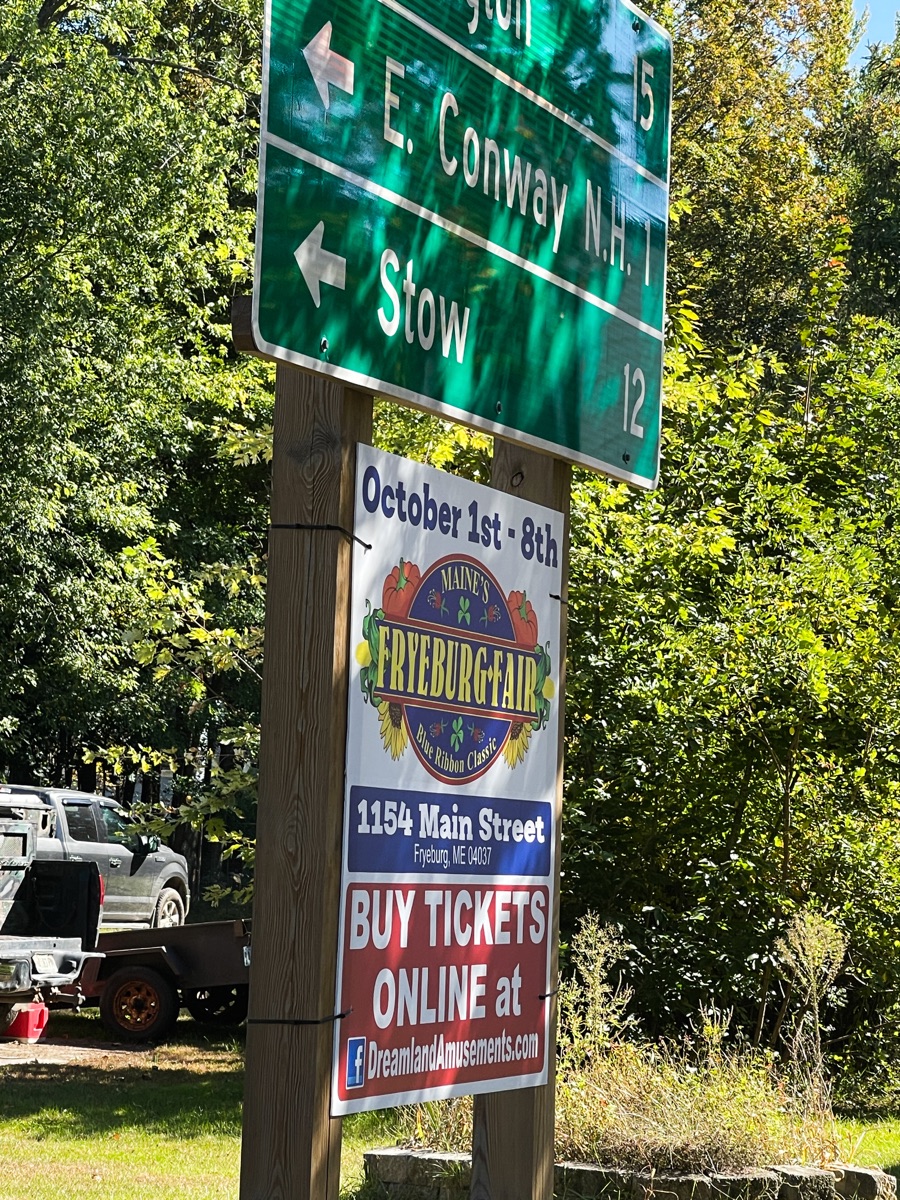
(454, 667)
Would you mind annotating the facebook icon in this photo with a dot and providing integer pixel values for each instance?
(356, 1062)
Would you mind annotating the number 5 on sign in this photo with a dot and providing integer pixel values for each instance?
(643, 71)
(635, 389)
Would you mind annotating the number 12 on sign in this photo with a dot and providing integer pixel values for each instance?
(635, 390)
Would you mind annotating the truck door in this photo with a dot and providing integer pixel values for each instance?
(86, 840)
(134, 871)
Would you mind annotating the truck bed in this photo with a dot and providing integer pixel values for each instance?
(49, 915)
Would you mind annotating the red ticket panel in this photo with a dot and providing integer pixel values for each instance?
(444, 987)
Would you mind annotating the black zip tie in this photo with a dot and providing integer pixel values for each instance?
(547, 995)
(553, 596)
(351, 537)
(298, 1020)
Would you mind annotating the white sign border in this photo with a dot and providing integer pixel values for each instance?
(340, 1107)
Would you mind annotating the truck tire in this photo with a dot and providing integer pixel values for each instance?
(169, 909)
(217, 1005)
(138, 1004)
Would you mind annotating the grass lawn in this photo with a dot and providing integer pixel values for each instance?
(876, 1141)
(128, 1124)
(124, 1124)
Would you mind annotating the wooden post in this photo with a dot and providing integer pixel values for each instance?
(291, 1146)
(512, 1138)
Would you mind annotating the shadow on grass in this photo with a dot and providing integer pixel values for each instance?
(190, 1087)
(86, 1023)
(83, 1102)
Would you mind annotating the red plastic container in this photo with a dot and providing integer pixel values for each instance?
(28, 1024)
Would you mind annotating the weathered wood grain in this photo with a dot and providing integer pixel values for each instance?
(512, 1138)
(291, 1147)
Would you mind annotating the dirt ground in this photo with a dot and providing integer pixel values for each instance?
(79, 1040)
(51, 1051)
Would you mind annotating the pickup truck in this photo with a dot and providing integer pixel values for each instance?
(145, 882)
(49, 913)
(52, 950)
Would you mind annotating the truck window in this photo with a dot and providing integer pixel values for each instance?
(118, 829)
(82, 826)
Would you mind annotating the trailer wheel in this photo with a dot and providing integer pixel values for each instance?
(138, 1004)
(217, 1005)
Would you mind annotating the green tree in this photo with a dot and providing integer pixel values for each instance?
(733, 697)
(758, 91)
(872, 149)
(125, 223)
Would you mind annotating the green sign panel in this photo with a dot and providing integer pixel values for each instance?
(463, 205)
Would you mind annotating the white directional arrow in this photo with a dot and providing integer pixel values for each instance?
(326, 66)
(318, 265)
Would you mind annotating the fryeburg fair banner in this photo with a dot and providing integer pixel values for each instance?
(446, 892)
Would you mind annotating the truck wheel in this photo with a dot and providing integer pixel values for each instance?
(169, 909)
(217, 1005)
(138, 1004)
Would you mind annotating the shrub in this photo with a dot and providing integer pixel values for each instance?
(700, 1105)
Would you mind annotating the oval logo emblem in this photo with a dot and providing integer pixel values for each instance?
(454, 668)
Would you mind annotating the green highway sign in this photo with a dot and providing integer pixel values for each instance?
(463, 205)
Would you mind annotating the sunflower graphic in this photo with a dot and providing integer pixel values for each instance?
(517, 743)
(393, 731)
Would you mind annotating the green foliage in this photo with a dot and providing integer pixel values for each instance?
(733, 645)
(698, 1104)
(424, 438)
(593, 1012)
(758, 92)
(726, 1107)
(131, 511)
(872, 146)
(732, 689)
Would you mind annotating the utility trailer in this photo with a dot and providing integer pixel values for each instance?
(144, 976)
